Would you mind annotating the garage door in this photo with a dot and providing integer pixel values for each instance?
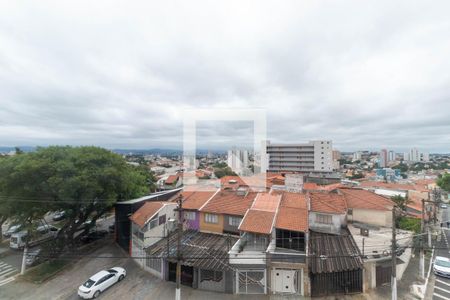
(284, 281)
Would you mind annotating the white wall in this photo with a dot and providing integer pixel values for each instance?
(337, 221)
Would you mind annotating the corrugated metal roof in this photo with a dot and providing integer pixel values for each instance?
(200, 250)
(333, 253)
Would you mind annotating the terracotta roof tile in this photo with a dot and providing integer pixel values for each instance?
(267, 202)
(148, 210)
(171, 179)
(359, 198)
(195, 199)
(327, 202)
(293, 212)
(258, 221)
(230, 203)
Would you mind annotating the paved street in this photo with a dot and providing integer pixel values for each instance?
(442, 285)
(11, 261)
(137, 285)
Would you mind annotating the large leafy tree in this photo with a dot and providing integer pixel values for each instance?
(85, 182)
(444, 182)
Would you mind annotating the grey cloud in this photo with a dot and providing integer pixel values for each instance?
(364, 74)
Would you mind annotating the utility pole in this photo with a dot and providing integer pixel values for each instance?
(179, 233)
(422, 254)
(394, 258)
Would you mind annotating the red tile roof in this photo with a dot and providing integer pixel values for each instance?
(258, 221)
(294, 219)
(359, 198)
(194, 199)
(230, 203)
(327, 202)
(148, 210)
(267, 202)
(293, 212)
(171, 179)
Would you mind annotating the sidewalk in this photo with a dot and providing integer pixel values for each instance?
(410, 276)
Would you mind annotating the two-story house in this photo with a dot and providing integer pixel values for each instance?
(328, 211)
(149, 224)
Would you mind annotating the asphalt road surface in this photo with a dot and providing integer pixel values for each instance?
(442, 285)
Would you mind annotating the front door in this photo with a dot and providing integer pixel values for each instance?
(284, 281)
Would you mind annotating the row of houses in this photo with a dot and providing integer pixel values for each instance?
(240, 240)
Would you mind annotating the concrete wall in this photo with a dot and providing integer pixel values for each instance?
(338, 220)
(211, 227)
(371, 216)
(151, 236)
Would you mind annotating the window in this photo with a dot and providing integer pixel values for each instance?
(234, 221)
(324, 219)
(189, 215)
(210, 275)
(350, 211)
(154, 222)
(162, 219)
(290, 239)
(210, 218)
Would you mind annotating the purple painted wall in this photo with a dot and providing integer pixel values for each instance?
(194, 224)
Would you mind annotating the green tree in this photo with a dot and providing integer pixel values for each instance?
(401, 202)
(221, 172)
(85, 182)
(444, 182)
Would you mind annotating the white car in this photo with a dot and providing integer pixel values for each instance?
(100, 282)
(443, 205)
(441, 266)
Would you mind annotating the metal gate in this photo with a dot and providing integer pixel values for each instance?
(384, 273)
(345, 282)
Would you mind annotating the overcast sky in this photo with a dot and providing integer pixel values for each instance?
(367, 75)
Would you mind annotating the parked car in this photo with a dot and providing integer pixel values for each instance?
(443, 205)
(93, 236)
(11, 230)
(441, 266)
(35, 256)
(100, 282)
(59, 215)
(42, 234)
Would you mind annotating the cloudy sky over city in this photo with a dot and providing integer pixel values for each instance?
(365, 74)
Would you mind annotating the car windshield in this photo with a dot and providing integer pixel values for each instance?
(112, 271)
(442, 263)
(89, 283)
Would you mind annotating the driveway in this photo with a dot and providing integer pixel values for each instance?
(137, 285)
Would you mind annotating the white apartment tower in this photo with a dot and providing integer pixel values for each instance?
(314, 156)
(237, 160)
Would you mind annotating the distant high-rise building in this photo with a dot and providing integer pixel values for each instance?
(406, 156)
(425, 156)
(303, 158)
(237, 160)
(391, 156)
(414, 155)
(383, 158)
(357, 156)
(336, 155)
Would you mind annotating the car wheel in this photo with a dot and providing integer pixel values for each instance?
(121, 277)
(96, 294)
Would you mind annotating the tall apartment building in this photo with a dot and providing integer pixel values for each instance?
(357, 156)
(383, 158)
(314, 156)
(391, 155)
(414, 155)
(425, 156)
(237, 160)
